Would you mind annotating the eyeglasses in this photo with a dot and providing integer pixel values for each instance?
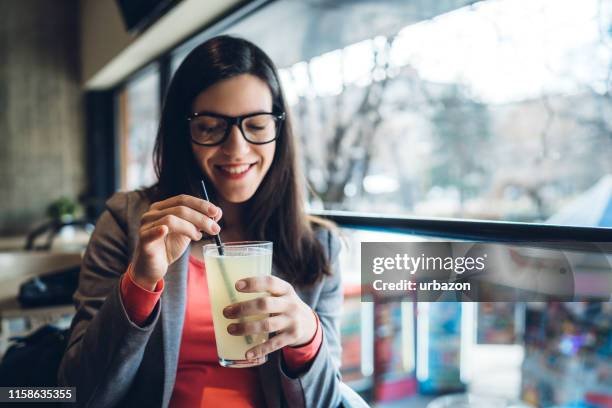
(212, 129)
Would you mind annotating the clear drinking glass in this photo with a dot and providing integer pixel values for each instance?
(235, 261)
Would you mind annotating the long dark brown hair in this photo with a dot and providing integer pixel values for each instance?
(276, 210)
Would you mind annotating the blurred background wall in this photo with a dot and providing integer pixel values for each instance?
(60, 64)
(42, 147)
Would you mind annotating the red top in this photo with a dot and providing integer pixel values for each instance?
(200, 380)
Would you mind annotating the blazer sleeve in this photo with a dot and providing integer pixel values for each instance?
(105, 348)
(319, 385)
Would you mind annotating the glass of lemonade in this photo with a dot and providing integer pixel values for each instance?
(238, 260)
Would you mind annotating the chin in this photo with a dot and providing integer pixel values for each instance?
(238, 198)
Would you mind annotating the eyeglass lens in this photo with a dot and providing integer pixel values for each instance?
(211, 129)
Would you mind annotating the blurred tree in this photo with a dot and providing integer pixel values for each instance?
(462, 128)
(350, 122)
(422, 131)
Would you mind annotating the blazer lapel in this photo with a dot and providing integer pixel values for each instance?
(173, 316)
(269, 381)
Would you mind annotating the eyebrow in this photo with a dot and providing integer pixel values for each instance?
(209, 112)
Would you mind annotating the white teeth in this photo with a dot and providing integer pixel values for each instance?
(236, 169)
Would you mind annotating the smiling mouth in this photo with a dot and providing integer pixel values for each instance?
(235, 170)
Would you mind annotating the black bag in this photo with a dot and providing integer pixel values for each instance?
(33, 361)
(52, 289)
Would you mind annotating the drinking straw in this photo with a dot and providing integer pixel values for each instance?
(228, 284)
(218, 236)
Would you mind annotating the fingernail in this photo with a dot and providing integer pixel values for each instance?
(232, 329)
(214, 227)
(240, 284)
(250, 355)
(228, 311)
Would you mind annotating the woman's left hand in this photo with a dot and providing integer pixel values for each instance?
(293, 320)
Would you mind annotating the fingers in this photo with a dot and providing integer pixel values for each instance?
(153, 234)
(219, 215)
(262, 305)
(186, 200)
(175, 225)
(274, 343)
(266, 304)
(177, 210)
(149, 236)
(201, 221)
(267, 325)
(258, 361)
(271, 284)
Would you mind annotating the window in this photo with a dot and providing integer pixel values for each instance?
(139, 111)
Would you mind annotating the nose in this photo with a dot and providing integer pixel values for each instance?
(235, 144)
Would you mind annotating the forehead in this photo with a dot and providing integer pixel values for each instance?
(235, 96)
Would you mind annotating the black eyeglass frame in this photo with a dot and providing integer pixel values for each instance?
(237, 120)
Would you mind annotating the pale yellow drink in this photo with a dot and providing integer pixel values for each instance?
(239, 260)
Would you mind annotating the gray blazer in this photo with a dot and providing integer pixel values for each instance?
(114, 362)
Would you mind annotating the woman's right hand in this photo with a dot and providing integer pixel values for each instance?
(166, 230)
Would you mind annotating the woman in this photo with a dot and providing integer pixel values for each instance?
(142, 334)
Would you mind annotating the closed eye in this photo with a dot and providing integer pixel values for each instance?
(209, 129)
